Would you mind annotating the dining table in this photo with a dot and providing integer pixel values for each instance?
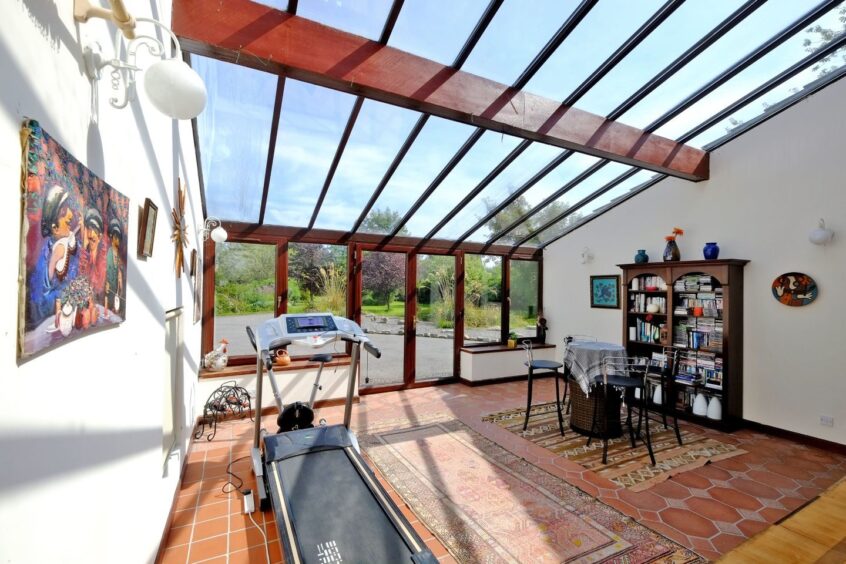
(582, 364)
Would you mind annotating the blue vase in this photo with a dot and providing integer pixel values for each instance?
(641, 256)
(711, 251)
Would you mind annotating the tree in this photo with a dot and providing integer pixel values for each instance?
(820, 37)
(304, 263)
(383, 274)
(382, 221)
(517, 209)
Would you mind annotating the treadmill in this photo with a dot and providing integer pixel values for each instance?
(328, 504)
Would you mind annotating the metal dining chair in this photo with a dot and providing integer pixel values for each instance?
(662, 374)
(539, 364)
(627, 375)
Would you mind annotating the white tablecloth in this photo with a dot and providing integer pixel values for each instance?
(584, 360)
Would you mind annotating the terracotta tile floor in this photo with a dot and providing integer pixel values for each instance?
(711, 509)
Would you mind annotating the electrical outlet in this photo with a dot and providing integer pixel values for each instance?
(826, 420)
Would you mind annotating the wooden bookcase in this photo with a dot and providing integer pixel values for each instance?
(706, 342)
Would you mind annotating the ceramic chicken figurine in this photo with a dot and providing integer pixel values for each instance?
(219, 357)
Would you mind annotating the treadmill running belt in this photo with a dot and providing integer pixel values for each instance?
(334, 515)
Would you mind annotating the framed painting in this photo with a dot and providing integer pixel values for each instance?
(147, 229)
(605, 291)
(74, 237)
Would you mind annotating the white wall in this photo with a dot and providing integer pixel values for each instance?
(81, 477)
(767, 190)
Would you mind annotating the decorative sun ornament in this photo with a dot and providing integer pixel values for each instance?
(179, 233)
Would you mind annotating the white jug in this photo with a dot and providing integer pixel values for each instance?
(715, 408)
(657, 396)
(700, 405)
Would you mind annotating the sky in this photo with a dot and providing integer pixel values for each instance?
(234, 129)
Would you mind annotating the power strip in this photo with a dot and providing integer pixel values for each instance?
(249, 502)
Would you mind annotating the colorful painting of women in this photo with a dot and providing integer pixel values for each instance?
(73, 225)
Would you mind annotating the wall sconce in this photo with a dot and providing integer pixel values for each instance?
(821, 235)
(173, 87)
(586, 256)
(214, 229)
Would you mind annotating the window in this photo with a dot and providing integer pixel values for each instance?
(482, 299)
(523, 314)
(244, 292)
(317, 282)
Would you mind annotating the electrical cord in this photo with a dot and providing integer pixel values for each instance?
(235, 487)
(263, 535)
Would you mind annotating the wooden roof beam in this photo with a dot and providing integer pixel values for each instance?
(308, 51)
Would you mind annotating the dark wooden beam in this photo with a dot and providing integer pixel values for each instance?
(391, 21)
(253, 232)
(309, 51)
(271, 149)
(477, 32)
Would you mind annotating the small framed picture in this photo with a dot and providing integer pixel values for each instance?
(605, 291)
(147, 228)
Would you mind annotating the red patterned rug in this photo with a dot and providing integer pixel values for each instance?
(486, 504)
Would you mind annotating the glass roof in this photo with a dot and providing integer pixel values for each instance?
(763, 63)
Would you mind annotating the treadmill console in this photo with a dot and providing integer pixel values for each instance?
(302, 324)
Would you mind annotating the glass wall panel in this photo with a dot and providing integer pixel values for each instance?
(310, 126)
(379, 132)
(317, 282)
(516, 34)
(436, 29)
(383, 317)
(234, 134)
(482, 299)
(435, 317)
(244, 292)
(433, 148)
(523, 315)
(362, 17)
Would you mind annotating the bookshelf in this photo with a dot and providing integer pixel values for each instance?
(696, 307)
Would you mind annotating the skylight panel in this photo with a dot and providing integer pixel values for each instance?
(360, 17)
(482, 158)
(693, 20)
(602, 31)
(436, 29)
(764, 23)
(234, 135)
(310, 126)
(379, 132)
(433, 148)
(517, 33)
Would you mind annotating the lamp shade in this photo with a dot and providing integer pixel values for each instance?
(821, 235)
(175, 89)
(219, 234)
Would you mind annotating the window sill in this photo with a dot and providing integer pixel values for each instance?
(296, 365)
(503, 348)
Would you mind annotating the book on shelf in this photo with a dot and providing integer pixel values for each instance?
(641, 283)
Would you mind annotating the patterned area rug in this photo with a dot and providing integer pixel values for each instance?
(627, 467)
(486, 504)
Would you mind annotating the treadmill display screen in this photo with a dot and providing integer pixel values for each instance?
(310, 322)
